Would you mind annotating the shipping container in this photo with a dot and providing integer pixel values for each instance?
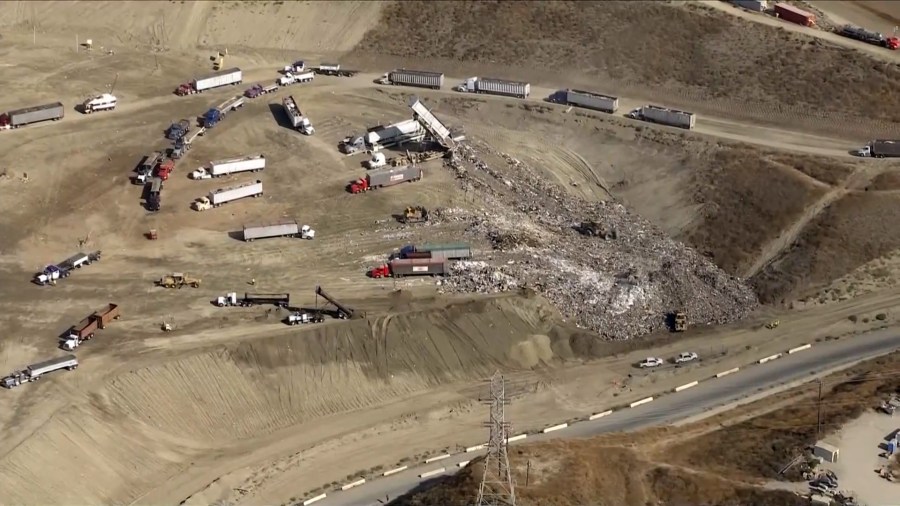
(420, 78)
(85, 328)
(107, 314)
(65, 362)
(222, 196)
(790, 13)
(419, 266)
(393, 175)
(290, 229)
(671, 117)
(752, 5)
(223, 78)
(22, 117)
(590, 100)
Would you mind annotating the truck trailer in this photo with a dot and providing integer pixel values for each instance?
(254, 299)
(793, 14)
(448, 251)
(52, 273)
(34, 371)
(874, 38)
(752, 5)
(880, 149)
(258, 90)
(589, 100)
(334, 69)
(378, 178)
(21, 117)
(232, 76)
(284, 229)
(104, 102)
(400, 267)
(420, 78)
(219, 168)
(225, 195)
(215, 114)
(296, 118)
(664, 116)
(493, 86)
(294, 78)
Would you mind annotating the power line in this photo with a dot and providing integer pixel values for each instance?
(497, 487)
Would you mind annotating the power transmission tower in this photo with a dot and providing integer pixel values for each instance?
(497, 487)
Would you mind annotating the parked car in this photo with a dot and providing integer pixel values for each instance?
(651, 362)
(687, 356)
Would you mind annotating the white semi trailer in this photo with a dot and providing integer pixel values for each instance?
(664, 116)
(284, 229)
(219, 168)
(34, 371)
(225, 195)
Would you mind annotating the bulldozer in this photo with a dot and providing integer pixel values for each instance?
(178, 280)
(679, 321)
(414, 214)
(772, 324)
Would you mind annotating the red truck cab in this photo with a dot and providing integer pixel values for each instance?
(382, 271)
(892, 42)
(359, 186)
(164, 169)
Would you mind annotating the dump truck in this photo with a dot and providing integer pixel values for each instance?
(664, 116)
(219, 168)
(882, 148)
(51, 273)
(258, 90)
(793, 14)
(215, 114)
(254, 299)
(334, 69)
(284, 229)
(232, 76)
(589, 100)
(35, 371)
(401, 267)
(103, 102)
(292, 78)
(225, 195)
(84, 330)
(106, 314)
(493, 86)
(154, 195)
(448, 251)
(385, 177)
(296, 118)
(178, 280)
(21, 117)
(420, 78)
(178, 129)
(144, 169)
(343, 312)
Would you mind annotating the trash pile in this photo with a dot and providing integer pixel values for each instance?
(605, 268)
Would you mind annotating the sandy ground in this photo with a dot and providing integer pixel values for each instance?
(862, 444)
(234, 404)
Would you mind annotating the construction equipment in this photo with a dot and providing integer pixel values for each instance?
(343, 312)
(679, 321)
(167, 327)
(52, 273)
(414, 214)
(34, 371)
(178, 280)
(22, 117)
(596, 229)
(493, 86)
(773, 324)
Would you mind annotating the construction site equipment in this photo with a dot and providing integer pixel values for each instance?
(154, 194)
(184, 144)
(752, 5)
(232, 76)
(35, 371)
(104, 102)
(589, 100)
(679, 321)
(296, 118)
(294, 78)
(167, 327)
(420, 78)
(178, 129)
(664, 116)
(385, 177)
(257, 90)
(880, 149)
(448, 251)
(304, 317)
(84, 330)
(334, 69)
(493, 86)
(225, 195)
(21, 117)
(254, 299)
(219, 168)
(414, 214)
(343, 312)
(52, 273)
(773, 324)
(790, 13)
(214, 115)
(400, 267)
(178, 280)
(431, 123)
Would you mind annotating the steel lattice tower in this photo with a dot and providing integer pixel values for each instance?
(497, 487)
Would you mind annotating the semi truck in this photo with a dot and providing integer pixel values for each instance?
(84, 330)
(225, 195)
(219, 168)
(215, 114)
(21, 117)
(296, 118)
(449, 251)
(184, 144)
(284, 229)
(232, 76)
(493, 86)
(294, 78)
(874, 38)
(378, 178)
(52, 273)
(400, 267)
(178, 129)
(664, 116)
(258, 90)
(880, 149)
(254, 299)
(793, 14)
(165, 168)
(588, 100)
(304, 317)
(334, 69)
(384, 137)
(154, 195)
(420, 78)
(752, 5)
(104, 102)
(34, 371)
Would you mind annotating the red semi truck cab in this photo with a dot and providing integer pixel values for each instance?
(359, 186)
(164, 169)
(382, 271)
(892, 42)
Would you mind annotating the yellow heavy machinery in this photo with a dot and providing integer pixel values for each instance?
(415, 214)
(178, 280)
(679, 321)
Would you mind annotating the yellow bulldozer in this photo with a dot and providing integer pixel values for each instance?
(178, 280)
(414, 214)
(679, 321)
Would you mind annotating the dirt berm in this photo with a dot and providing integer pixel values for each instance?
(152, 423)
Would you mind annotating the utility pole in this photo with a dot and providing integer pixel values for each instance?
(497, 487)
(819, 411)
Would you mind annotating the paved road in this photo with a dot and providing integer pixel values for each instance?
(665, 410)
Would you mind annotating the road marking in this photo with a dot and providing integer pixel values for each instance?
(314, 499)
(770, 358)
(642, 401)
(463, 463)
(729, 371)
(600, 415)
(516, 438)
(799, 348)
(395, 471)
(686, 386)
(354, 484)
(555, 427)
(439, 457)
(474, 448)
(432, 473)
